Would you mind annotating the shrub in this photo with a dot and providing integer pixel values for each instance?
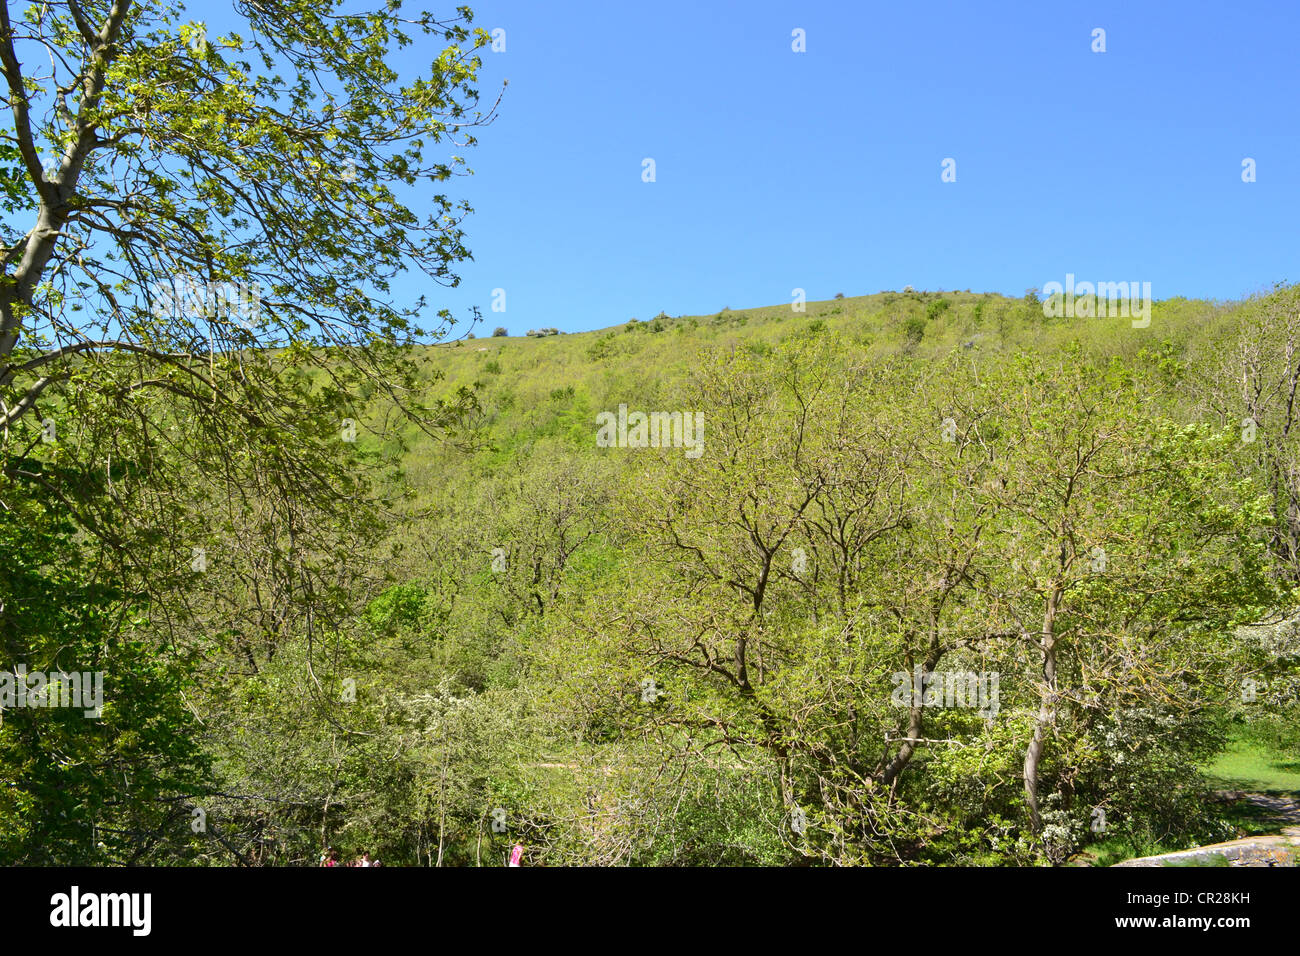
(601, 348)
(499, 330)
(399, 606)
(936, 308)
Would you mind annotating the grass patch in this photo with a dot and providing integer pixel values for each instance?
(1118, 849)
(1248, 765)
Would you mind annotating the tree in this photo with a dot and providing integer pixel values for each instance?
(1251, 386)
(849, 524)
(181, 218)
(500, 330)
(181, 363)
(914, 328)
(1129, 548)
(197, 309)
(116, 788)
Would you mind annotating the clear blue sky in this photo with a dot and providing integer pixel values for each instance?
(821, 170)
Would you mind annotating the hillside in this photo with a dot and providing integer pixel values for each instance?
(640, 355)
(573, 582)
(911, 578)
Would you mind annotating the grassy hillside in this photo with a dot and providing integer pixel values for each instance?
(948, 582)
(531, 566)
(533, 388)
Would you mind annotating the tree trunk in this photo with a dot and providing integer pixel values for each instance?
(915, 724)
(1046, 709)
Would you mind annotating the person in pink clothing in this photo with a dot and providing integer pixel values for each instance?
(516, 855)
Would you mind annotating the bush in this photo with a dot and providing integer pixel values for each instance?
(399, 606)
(601, 348)
(936, 308)
(499, 331)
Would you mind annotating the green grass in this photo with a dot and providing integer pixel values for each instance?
(1250, 765)
(1247, 765)
(1118, 849)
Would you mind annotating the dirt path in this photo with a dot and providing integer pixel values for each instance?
(1283, 812)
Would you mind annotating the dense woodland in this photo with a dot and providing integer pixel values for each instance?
(355, 582)
(472, 629)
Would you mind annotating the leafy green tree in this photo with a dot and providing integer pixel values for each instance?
(189, 205)
(846, 525)
(1249, 378)
(117, 788)
(1130, 550)
(197, 315)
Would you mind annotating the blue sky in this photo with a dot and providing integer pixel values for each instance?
(822, 170)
